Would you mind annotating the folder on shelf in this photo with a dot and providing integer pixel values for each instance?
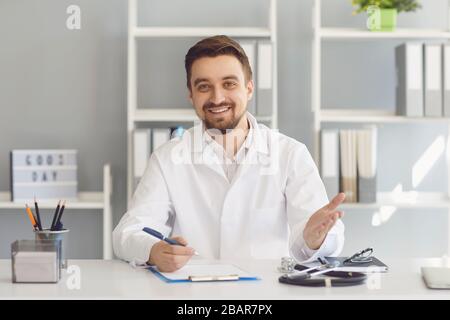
(367, 165)
(433, 80)
(204, 272)
(264, 83)
(159, 137)
(348, 164)
(249, 48)
(446, 79)
(141, 152)
(329, 164)
(409, 90)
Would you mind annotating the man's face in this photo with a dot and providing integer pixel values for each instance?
(219, 91)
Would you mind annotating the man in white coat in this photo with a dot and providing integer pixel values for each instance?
(230, 186)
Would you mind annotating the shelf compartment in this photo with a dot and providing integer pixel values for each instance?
(174, 115)
(355, 34)
(371, 116)
(181, 32)
(431, 200)
(86, 200)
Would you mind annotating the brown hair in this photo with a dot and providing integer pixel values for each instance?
(213, 47)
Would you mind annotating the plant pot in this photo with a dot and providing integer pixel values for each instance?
(382, 20)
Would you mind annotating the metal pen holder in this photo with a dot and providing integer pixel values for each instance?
(36, 261)
(47, 234)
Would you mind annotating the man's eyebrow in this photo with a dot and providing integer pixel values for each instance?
(198, 80)
(231, 77)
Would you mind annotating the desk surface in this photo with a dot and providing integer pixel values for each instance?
(114, 279)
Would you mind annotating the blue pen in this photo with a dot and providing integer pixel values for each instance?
(159, 235)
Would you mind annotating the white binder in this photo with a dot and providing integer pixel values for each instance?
(367, 165)
(446, 79)
(141, 152)
(249, 48)
(329, 164)
(348, 164)
(159, 137)
(433, 80)
(409, 91)
(264, 79)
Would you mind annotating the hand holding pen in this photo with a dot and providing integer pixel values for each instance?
(170, 254)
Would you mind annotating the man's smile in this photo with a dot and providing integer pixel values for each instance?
(218, 110)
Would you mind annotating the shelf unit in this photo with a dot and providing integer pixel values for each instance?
(322, 114)
(136, 115)
(86, 200)
(358, 34)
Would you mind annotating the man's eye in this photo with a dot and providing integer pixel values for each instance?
(203, 87)
(229, 84)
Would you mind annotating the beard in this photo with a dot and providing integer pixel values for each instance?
(228, 121)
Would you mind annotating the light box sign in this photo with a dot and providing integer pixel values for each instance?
(48, 175)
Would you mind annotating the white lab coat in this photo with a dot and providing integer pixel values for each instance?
(260, 214)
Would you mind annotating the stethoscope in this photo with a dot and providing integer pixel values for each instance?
(304, 276)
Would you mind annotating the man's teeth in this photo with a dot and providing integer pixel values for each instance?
(219, 110)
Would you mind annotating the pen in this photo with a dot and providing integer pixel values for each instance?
(55, 215)
(159, 235)
(38, 216)
(30, 216)
(58, 225)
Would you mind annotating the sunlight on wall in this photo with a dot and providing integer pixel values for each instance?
(385, 212)
(383, 215)
(427, 160)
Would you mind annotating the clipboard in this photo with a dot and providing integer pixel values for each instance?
(204, 273)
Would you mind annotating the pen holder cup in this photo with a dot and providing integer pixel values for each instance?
(47, 234)
(36, 261)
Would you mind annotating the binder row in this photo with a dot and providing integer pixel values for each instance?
(349, 163)
(260, 56)
(423, 79)
(145, 141)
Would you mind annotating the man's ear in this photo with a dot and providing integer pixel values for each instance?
(250, 89)
(190, 96)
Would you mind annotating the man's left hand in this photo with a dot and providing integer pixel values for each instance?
(322, 221)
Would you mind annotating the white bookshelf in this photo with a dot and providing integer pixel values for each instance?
(99, 201)
(361, 34)
(322, 114)
(372, 116)
(138, 114)
(174, 115)
(405, 200)
(167, 32)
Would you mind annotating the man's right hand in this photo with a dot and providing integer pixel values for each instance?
(169, 258)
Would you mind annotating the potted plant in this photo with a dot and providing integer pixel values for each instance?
(382, 14)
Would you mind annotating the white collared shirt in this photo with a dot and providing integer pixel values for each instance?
(230, 165)
(261, 213)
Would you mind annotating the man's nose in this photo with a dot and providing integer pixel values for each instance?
(218, 96)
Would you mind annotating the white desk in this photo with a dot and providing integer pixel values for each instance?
(113, 279)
